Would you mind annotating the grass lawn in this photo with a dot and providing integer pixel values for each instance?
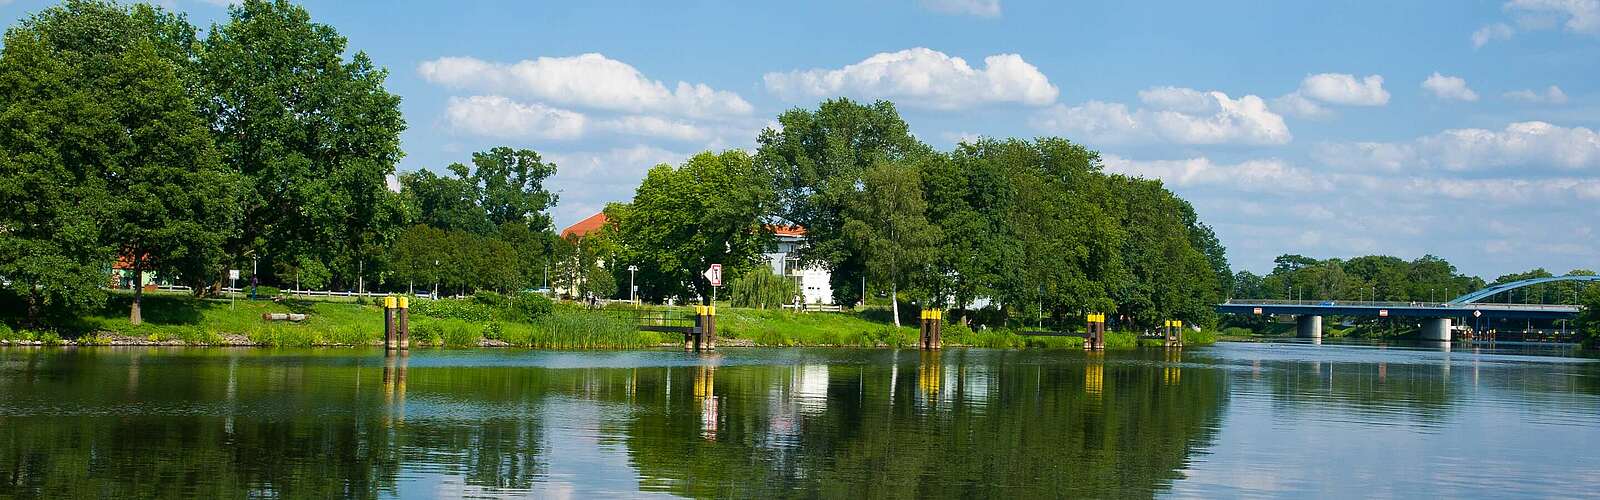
(182, 319)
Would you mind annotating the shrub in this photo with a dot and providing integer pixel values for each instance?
(428, 333)
(465, 310)
(494, 331)
(488, 298)
(267, 292)
(6, 332)
(528, 306)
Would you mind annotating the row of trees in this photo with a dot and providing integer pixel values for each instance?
(127, 134)
(1034, 227)
(1387, 278)
(264, 145)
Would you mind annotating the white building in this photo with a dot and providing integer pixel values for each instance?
(813, 280)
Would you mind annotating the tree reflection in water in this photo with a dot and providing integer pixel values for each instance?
(349, 423)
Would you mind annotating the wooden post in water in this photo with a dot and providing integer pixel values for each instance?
(1174, 333)
(711, 329)
(691, 338)
(405, 322)
(922, 330)
(1095, 333)
(388, 323)
(937, 340)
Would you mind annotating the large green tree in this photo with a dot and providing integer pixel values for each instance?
(816, 160)
(106, 133)
(888, 226)
(312, 129)
(710, 210)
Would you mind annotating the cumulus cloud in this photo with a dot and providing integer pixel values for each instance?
(1489, 33)
(1573, 16)
(978, 8)
(1251, 175)
(1577, 16)
(922, 77)
(655, 126)
(1317, 91)
(1450, 88)
(1294, 104)
(590, 80)
(1552, 95)
(497, 116)
(1177, 115)
(1522, 144)
(1262, 208)
(1345, 89)
(588, 180)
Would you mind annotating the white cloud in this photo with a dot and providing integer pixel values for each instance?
(586, 181)
(1252, 175)
(1178, 115)
(1486, 34)
(1345, 89)
(1177, 99)
(1551, 95)
(591, 80)
(1577, 16)
(655, 126)
(979, 8)
(496, 116)
(922, 77)
(1449, 88)
(1295, 104)
(1521, 144)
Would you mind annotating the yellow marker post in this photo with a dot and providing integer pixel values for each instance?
(404, 321)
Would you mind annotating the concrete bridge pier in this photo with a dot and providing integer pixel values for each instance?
(1308, 326)
(1436, 329)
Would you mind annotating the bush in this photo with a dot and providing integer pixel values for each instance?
(528, 306)
(488, 298)
(267, 292)
(465, 310)
(5, 332)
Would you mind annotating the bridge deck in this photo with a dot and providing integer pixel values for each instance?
(1400, 309)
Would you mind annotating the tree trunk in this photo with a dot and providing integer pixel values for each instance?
(34, 301)
(894, 302)
(134, 316)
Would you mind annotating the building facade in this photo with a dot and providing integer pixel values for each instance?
(814, 281)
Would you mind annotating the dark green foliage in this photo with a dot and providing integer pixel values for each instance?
(1589, 323)
(465, 310)
(528, 306)
(311, 127)
(708, 211)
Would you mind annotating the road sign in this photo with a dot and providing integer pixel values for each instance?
(233, 274)
(1477, 314)
(714, 275)
(1258, 311)
(1383, 313)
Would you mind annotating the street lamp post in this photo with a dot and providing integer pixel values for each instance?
(253, 281)
(633, 290)
(436, 278)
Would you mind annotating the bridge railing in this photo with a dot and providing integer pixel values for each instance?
(1397, 304)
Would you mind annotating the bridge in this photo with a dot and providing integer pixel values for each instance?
(1437, 316)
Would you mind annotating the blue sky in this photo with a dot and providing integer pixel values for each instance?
(1465, 129)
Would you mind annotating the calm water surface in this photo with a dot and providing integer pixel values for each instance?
(1224, 421)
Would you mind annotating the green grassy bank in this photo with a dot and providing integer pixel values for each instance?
(492, 320)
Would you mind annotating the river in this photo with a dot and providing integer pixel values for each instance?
(1235, 419)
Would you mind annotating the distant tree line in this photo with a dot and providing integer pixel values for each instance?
(1392, 279)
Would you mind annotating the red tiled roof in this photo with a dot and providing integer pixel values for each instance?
(586, 226)
(782, 230)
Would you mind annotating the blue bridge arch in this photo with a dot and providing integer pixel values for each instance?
(1506, 287)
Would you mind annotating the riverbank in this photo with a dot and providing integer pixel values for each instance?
(493, 321)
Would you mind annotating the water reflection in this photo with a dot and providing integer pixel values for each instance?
(743, 423)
